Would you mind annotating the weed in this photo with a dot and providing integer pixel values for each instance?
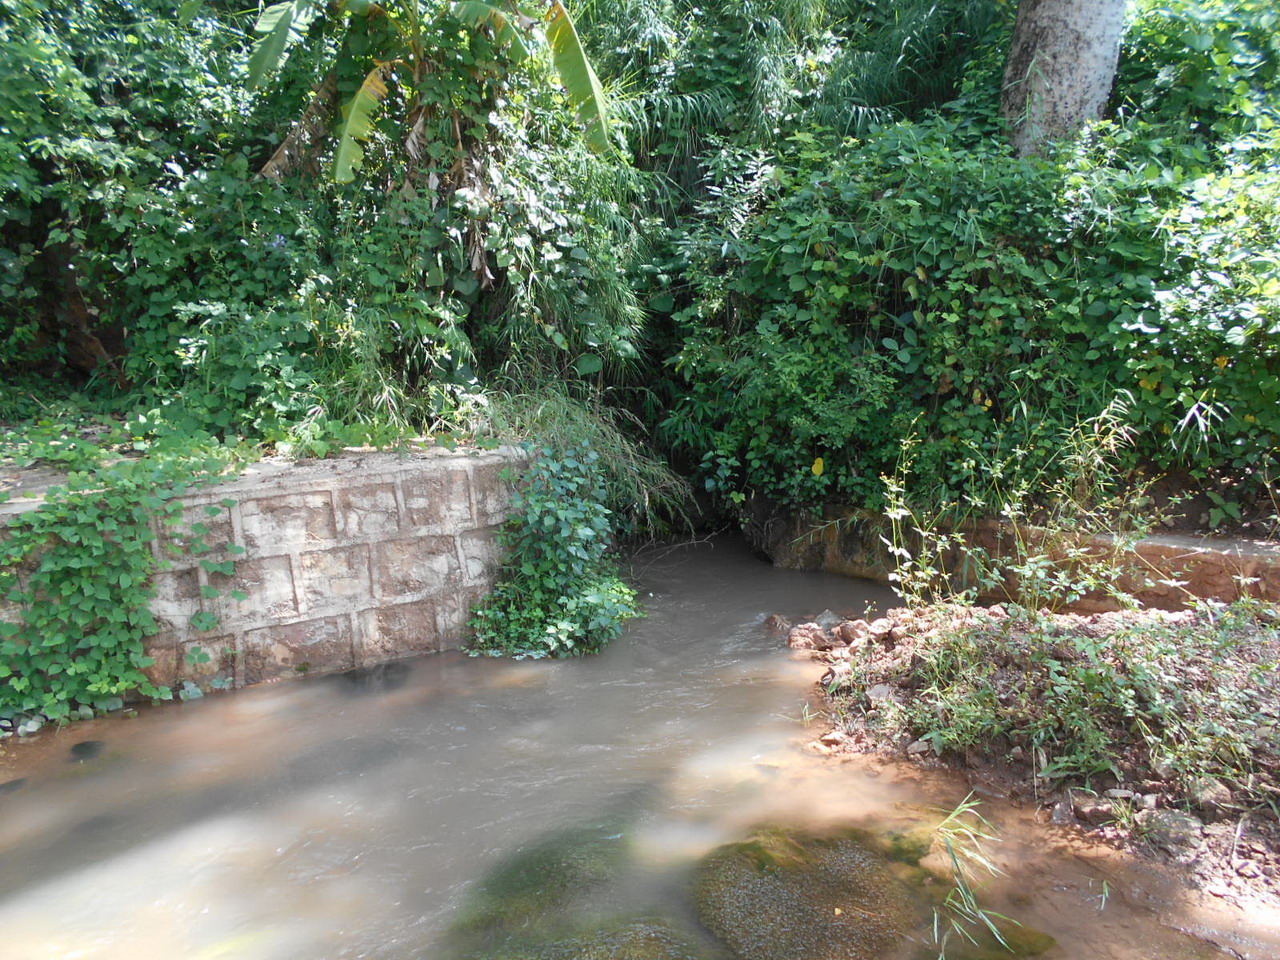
(963, 833)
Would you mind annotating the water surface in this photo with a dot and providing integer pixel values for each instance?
(350, 817)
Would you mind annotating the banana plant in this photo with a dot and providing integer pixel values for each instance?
(283, 25)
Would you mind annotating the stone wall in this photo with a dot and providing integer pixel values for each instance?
(346, 562)
(1170, 571)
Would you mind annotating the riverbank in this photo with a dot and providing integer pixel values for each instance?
(1152, 731)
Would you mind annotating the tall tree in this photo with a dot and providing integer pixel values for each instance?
(1060, 68)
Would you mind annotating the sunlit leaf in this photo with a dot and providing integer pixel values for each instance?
(578, 77)
(357, 124)
(188, 11)
(280, 26)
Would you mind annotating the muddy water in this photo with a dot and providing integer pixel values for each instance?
(351, 817)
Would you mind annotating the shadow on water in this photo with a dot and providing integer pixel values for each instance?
(370, 814)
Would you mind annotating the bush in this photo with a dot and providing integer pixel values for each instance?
(924, 279)
(558, 595)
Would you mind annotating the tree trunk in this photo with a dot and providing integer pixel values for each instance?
(1060, 68)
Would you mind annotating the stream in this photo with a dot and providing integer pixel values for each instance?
(353, 816)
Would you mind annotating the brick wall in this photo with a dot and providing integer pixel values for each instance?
(347, 562)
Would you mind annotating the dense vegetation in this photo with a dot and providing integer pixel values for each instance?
(797, 238)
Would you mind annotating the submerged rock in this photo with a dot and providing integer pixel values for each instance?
(86, 750)
(527, 903)
(629, 940)
(799, 896)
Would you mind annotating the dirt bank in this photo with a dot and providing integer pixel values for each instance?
(1151, 731)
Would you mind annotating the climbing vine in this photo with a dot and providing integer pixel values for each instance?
(75, 579)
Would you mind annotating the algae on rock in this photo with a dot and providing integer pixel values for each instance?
(626, 940)
(805, 896)
(532, 895)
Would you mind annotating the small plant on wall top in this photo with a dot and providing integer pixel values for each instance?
(558, 594)
(75, 579)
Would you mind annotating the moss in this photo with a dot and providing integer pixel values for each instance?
(528, 896)
(1019, 941)
(802, 896)
(624, 940)
(907, 846)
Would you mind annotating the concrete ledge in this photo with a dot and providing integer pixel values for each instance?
(1170, 571)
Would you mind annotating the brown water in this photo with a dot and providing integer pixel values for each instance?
(350, 817)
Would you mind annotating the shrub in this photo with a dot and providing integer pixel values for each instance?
(558, 595)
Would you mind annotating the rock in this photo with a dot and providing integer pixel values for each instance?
(833, 738)
(1148, 801)
(1093, 811)
(838, 673)
(799, 896)
(880, 629)
(1162, 768)
(1062, 813)
(919, 747)
(1120, 794)
(827, 620)
(881, 691)
(1172, 831)
(808, 636)
(853, 632)
(1247, 869)
(776, 623)
(1211, 796)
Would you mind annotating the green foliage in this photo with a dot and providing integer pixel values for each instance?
(1190, 694)
(558, 595)
(1194, 697)
(75, 572)
(643, 494)
(925, 279)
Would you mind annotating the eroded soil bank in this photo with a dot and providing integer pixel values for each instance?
(1151, 732)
